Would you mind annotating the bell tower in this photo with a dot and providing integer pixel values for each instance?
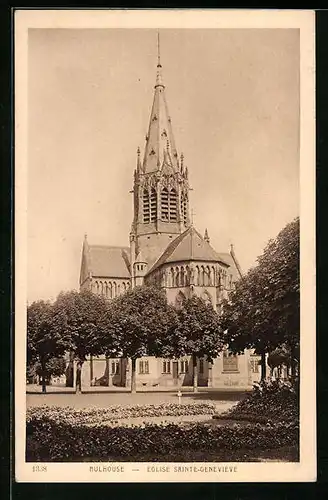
(161, 186)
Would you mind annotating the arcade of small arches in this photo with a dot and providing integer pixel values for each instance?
(199, 275)
(110, 289)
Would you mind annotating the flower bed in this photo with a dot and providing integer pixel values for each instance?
(49, 440)
(96, 415)
(269, 402)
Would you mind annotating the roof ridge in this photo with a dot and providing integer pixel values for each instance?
(109, 246)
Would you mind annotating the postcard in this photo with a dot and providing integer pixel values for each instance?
(164, 246)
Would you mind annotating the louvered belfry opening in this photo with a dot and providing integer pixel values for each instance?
(146, 207)
(165, 204)
(153, 205)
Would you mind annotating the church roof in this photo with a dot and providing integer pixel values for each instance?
(189, 246)
(234, 266)
(108, 261)
(160, 149)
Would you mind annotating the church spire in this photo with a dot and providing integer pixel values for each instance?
(160, 149)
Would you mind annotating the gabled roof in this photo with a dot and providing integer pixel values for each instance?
(104, 261)
(189, 246)
(234, 268)
(108, 261)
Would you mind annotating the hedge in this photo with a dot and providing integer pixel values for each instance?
(48, 440)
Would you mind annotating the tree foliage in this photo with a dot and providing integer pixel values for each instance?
(79, 321)
(43, 341)
(140, 321)
(263, 312)
(197, 333)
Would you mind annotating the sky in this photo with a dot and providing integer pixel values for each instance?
(233, 97)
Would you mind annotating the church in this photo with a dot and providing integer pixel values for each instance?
(165, 250)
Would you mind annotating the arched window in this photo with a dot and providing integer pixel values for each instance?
(153, 205)
(197, 278)
(146, 207)
(201, 276)
(110, 296)
(165, 205)
(213, 276)
(207, 278)
(97, 287)
(171, 276)
(182, 276)
(118, 290)
(173, 206)
(123, 287)
(187, 276)
(177, 279)
(114, 289)
(106, 289)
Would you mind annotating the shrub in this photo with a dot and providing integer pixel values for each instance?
(275, 401)
(94, 415)
(58, 440)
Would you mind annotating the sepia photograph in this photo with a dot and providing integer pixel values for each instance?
(165, 246)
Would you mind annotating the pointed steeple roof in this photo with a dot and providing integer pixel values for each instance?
(160, 146)
(189, 246)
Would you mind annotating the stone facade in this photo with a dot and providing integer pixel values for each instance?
(166, 251)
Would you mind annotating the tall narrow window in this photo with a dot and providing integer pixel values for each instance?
(166, 366)
(184, 366)
(165, 204)
(153, 205)
(201, 366)
(146, 207)
(173, 206)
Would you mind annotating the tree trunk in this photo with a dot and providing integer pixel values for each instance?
(133, 376)
(43, 377)
(263, 366)
(70, 371)
(79, 376)
(194, 373)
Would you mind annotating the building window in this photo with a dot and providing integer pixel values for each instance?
(166, 366)
(230, 362)
(143, 367)
(115, 367)
(201, 366)
(184, 364)
(254, 364)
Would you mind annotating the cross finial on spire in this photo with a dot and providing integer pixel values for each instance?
(158, 51)
(159, 82)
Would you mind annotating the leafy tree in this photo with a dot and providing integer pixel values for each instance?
(55, 367)
(79, 321)
(263, 312)
(197, 334)
(139, 320)
(43, 341)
